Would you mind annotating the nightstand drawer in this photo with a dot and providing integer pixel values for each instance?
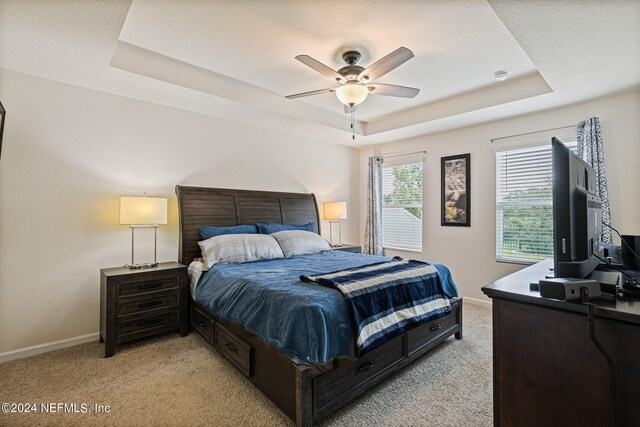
(147, 323)
(150, 285)
(141, 305)
(235, 349)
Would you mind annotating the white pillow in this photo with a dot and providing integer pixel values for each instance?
(237, 248)
(298, 242)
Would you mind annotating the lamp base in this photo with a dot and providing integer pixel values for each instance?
(133, 264)
(339, 243)
(139, 266)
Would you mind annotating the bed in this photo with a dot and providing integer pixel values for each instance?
(306, 381)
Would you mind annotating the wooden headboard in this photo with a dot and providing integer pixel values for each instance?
(218, 207)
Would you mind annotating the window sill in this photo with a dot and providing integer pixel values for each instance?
(520, 262)
(389, 248)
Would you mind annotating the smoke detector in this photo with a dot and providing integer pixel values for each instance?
(501, 75)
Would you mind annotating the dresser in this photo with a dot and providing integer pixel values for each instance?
(546, 369)
(141, 303)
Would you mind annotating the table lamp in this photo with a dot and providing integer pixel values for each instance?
(143, 212)
(335, 212)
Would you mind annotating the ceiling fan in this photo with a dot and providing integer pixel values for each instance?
(354, 80)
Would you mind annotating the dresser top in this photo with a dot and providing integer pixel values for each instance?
(119, 271)
(515, 287)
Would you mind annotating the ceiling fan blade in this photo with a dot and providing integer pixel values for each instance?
(310, 93)
(347, 109)
(393, 90)
(320, 67)
(386, 64)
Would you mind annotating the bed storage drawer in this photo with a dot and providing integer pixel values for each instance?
(427, 333)
(346, 378)
(238, 351)
(203, 324)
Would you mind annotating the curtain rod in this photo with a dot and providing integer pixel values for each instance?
(529, 133)
(404, 154)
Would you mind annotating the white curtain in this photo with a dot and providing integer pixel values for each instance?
(591, 150)
(373, 227)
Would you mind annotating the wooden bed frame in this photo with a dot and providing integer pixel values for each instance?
(304, 392)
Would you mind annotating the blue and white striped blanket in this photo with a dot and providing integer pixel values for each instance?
(388, 298)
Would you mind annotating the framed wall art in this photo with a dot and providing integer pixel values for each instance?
(456, 190)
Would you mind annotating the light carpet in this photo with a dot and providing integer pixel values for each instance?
(174, 381)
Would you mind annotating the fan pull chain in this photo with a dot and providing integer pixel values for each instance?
(353, 129)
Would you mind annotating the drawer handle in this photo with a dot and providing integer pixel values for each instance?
(149, 322)
(150, 285)
(202, 323)
(366, 367)
(435, 328)
(149, 304)
(231, 347)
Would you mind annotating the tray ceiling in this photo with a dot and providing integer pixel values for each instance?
(235, 59)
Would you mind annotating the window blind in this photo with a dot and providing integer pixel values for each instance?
(402, 206)
(524, 204)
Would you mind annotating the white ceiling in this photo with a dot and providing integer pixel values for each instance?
(235, 59)
(256, 42)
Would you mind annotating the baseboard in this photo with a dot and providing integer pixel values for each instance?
(70, 342)
(44, 348)
(476, 301)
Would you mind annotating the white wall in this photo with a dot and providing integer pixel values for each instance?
(470, 252)
(69, 153)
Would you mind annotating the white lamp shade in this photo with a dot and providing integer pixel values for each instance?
(335, 210)
(352, 94)
(143, 210)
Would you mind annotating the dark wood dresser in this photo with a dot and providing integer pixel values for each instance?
(141, 303)
(546, 369)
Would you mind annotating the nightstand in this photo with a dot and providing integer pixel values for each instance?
(348, 248)
(141, 303)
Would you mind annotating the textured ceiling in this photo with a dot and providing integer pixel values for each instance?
(235, 59)
(256, 42)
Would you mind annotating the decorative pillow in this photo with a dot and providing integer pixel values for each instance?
(274, 228)
(209, 232)
(298, 242)
(237, 248)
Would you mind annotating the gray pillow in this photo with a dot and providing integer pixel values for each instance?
(298, 242)
(238, 248)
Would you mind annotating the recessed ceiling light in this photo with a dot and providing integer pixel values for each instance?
(501, 75)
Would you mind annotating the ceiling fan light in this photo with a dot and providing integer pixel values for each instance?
(352, 94)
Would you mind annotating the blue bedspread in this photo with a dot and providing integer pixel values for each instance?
(304, 320)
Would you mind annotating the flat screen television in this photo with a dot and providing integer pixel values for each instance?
(577, 214)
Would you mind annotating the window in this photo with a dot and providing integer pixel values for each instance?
(402, 206)
(524, 204)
